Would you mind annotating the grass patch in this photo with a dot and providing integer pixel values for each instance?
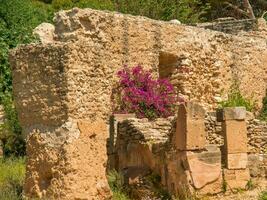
(12, 174)
(236, 99)
(263, 114)
(263, 195)
(115, 181)
(119, 195)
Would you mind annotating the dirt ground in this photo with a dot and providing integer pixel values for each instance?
(259, 186)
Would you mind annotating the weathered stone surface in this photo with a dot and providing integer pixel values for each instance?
(257, 136)
(257, 164)
(231, 113)
(237, 160)
(231, 25)
(45, 32)
(203, 173)
(175, 21)
(140, 40)
(68, 163)
(195, 110)
(236, 178)
(237, 113)
(190, 127)
(73, 78)
(235, 134)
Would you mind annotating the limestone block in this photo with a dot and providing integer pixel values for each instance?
(236, 178)
(203, 173)
(45, 32)
(235, 136)
(121, 117)
(231, 113)
(237, 161)
(257, 164)
(195, 110)
(175, 21)
(113, 129)
(190, 127)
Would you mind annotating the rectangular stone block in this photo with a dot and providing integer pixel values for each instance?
(236, 113)
(231, 113)
(113, 128)
(190, 136)
(236, 178)
(195, 110)
(190, 128)
(235, 136)
(237, 161)
(195, 135)
(203, 172)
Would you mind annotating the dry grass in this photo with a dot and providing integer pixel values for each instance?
(12, 173)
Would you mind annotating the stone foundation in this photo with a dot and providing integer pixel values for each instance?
(168, 149)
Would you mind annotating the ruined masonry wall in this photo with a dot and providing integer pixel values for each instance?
(257, 133)
(202, 63)
(257, 142)
(159, 132)
(70, 79)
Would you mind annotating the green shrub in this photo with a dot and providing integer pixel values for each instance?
(263, 196)
(17, 20)
(251, 185)
(95, 4)
(119, 195)
(10, 132)
(236, 99)
(263, 114)
(187, 11)
(115, 181)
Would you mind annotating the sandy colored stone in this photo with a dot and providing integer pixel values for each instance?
(231, 113)
(68, 167)
(235, 134)
(203, 173)
(236, 178)
(197, 61)
(45, 32)
(237, 160)
(190, 128)
(58, 84)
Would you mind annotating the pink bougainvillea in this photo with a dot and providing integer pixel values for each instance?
(139, 93)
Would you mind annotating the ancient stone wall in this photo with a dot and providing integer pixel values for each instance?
(257, 133)
(202, 64)
(177, 150)
(257, 141)
(62, 88)
(64, 119)
(141, 143)
(257, 164)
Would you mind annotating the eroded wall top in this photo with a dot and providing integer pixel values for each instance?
(93, 45)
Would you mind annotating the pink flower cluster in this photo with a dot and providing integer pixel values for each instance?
(143, 95)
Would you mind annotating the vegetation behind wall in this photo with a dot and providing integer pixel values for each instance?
(263, 114)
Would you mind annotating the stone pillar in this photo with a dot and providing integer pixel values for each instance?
(113, 134)
(201, 163)
(234, 131)
(190, 128)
